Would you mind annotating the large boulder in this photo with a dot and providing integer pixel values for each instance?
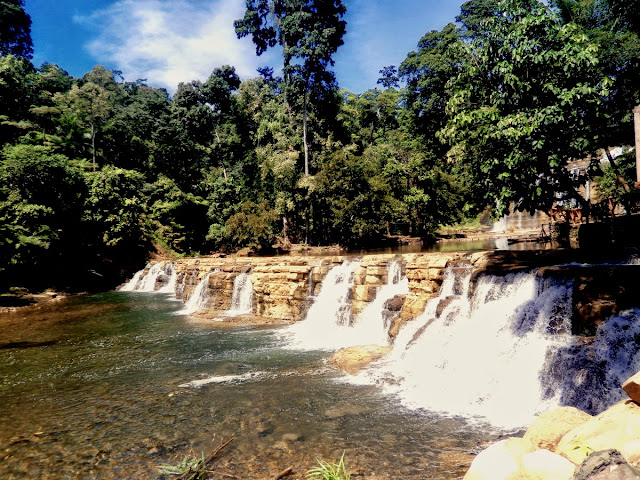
(616, 428)
(547, 430)
(500, 461)
(546, 465)
(606, 465)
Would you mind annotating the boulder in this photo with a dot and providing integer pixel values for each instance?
(606, 465)
(617, 428)
(500, 461)
(354, 359)
(545, 465)
(632, 387)
(547, 430)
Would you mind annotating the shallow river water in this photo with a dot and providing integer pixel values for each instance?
(113, 385)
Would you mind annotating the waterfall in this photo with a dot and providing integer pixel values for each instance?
(331, 309)
(328, 326)
(146, 282)
(481, 356)
(199, 297)
(170, 286)
(371, 327)
(132, 284)
(241, 297)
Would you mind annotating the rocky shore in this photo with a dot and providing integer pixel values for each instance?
(568, 444)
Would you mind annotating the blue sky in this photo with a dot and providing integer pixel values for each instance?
(173, 41)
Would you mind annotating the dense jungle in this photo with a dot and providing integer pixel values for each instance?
(96, 172)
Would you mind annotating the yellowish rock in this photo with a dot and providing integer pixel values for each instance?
(354, 359)
(547, 430)
(500, 461)
(616, 428)
(546, 465)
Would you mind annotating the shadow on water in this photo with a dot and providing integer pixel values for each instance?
(112, 385)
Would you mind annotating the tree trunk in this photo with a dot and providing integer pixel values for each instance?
(620, 178)
(304, 135)
(224, 168)
(93, 145)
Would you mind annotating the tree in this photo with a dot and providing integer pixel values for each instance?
(309, 32)
(91, 105)
(389, 77)
(15, 29)
(522, 106)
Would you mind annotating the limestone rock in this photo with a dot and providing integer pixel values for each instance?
(632, 387)
(545, 465)
(500, 461)
(354, 359)
(547, 430)
(618, 428)
(606, 465)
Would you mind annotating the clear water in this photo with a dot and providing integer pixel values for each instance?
(116, 384)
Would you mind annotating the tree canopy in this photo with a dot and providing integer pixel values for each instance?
(97, 171)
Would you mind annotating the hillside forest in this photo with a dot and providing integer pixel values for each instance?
(96, 172)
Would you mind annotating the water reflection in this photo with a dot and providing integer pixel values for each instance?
(103, 396)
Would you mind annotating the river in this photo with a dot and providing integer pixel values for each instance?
(113, 385)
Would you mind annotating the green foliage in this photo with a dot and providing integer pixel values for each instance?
(189, 468)
(523, 106)
(96, 168)
(252, 226)
(329, 471)
(15, 29)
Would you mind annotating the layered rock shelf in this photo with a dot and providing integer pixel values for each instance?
(284, 287)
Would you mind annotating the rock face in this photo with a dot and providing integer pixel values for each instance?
(284, 287)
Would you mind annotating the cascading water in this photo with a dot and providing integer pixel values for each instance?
(328, 326)
(331, 309)
(147, 282)
(170, 286)
(132, 284)
(241, 297)
(199, 297)
(482, 357)
(371, 326)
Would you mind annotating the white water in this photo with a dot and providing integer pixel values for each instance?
(131, 285)
(319, 329)
(142, 282)
(328, 324)
(241, 297)
(199, 297)
(479, 358)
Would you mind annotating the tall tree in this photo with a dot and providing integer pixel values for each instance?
(309, 32)
(15, 29)
(522, 106)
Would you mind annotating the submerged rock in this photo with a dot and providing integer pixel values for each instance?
(354, 359)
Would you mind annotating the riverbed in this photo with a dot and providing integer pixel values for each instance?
(114, 385)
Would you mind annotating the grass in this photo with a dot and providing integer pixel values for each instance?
(191, 468)
(329, 471)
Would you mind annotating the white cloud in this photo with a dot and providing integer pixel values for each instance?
(170, 41)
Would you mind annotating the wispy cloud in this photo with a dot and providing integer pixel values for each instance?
(170, 41)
